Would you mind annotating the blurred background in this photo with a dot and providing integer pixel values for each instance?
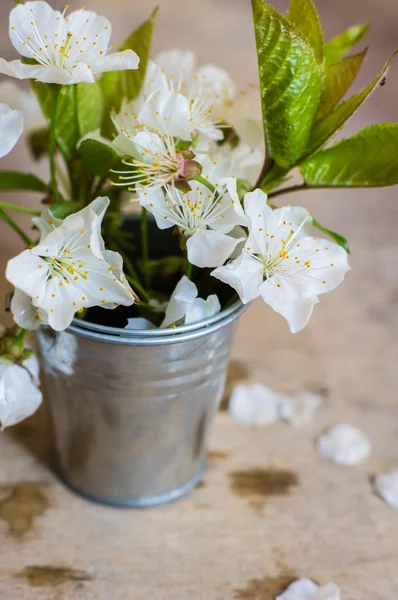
(221, 31)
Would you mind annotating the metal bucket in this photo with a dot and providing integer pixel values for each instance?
(132, 410)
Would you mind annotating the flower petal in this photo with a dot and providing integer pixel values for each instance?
(305, 589)
(287, 299)
(344, 445)
(177, 64)
(118, 61)
(216, 82)
(15, 68)
(32, 20)
(299, 409)
(201, 309)
(154, 202)
(317, 265)
(97, 34)
(258, 214)
(11, 127)
(46, 223)
(24, 312)
(208, 248)
(139, 323)
(386, 485)
(19, 396)
(181, 299)
(254, 405)
(245, 275)
(28, 273)
(167, 113)
(24, 100)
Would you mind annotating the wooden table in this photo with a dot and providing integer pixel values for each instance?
(269, 510)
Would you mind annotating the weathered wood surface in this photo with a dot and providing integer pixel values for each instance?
(269, 509)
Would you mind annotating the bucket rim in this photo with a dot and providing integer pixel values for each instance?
(139, 337)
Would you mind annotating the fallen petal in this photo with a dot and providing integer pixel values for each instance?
(299, 409)
(344, 445)
(254, 404)
(305, 589)
(386, 485)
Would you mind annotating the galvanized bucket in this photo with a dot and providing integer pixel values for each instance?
(132, 410)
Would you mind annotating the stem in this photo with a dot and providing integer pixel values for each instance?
(51, 148)
(188, 270)
(133, 278)
(15, 227)
(144, 245)
(21, 209)
(138, 288)
(206, 183)
(290, 190)
(268, 164)
(21, 337)
(98, 187)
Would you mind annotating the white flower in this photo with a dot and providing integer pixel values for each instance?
(244, 114)
(185, 305)
(215, 99)
(299, 409)
(344, 445)
(70, 270)
(203, 217)
(386, 485)
(305, 589)
(11, 127)
(149, 138)
(282, 263)
(67, 49)
(208, 90)
(19, 395)
(254, 404)
(25, 101)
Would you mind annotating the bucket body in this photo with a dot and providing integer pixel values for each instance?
(132, 410)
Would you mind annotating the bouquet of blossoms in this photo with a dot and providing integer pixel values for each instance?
(160, 205)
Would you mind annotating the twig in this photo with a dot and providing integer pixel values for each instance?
(51, 147)
(289, 190)
(21, 209)
(15, 227)
(144, 246)
(268, 164)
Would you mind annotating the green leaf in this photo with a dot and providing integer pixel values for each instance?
(16, 181)
(117, 85)
(339, 78)
(329, 126)
(66, 129)
(340, 45)
(98, 157)
(368, 159)
(339, 239)
(63, 209)
(89, 107)
(274, 178)
(79, 111)
(141, 42)
(291, 84)
(304, 16)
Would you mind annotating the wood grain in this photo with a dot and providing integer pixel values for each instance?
(216, 545)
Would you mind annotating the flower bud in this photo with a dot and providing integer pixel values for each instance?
(190, 169)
